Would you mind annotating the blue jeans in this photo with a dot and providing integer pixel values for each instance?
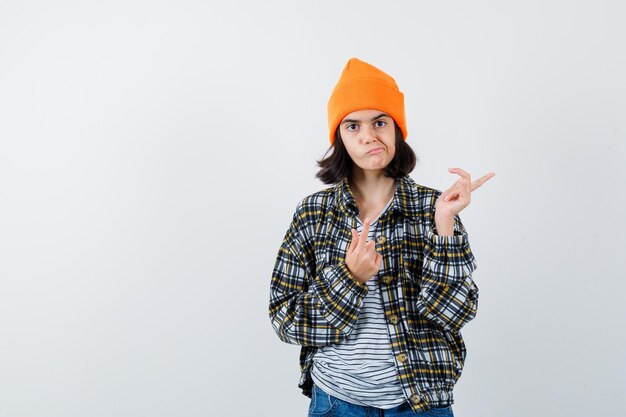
(325, 405)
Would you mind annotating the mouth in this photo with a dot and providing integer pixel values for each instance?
(375, 151)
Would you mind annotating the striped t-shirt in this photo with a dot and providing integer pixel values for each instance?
(362, 370)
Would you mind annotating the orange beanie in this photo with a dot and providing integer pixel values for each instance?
(363, 86)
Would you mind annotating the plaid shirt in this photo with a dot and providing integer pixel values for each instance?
(426, 286)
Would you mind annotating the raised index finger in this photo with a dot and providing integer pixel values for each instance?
(364, 233)
(482, 180)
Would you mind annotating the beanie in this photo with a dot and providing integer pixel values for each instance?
(363, 86)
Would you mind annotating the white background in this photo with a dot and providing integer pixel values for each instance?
(152, 154)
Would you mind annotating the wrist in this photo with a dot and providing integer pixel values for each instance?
(444, 225)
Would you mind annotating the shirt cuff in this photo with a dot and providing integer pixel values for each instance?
(459, 238)
(341, 273)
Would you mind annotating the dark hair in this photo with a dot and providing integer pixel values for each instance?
(339, 163)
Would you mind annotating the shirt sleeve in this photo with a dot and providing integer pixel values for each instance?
(311, 310)
(448, 294)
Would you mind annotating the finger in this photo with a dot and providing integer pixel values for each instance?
(452, 192)
(451, 196)
(364, 233)
(461, 173)
(459, 194)
(370, 249)
(482, 180)
(465, 182)
(378, 259)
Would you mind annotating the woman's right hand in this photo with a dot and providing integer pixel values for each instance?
(361, 258)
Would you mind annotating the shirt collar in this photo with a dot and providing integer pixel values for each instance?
(404, 198)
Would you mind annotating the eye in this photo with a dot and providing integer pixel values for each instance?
(380, 123)
(351, 127)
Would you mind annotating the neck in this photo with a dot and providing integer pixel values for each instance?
(372, 185)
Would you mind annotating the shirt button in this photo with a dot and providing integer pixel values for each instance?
(393, 319)
(415, 399)
(387, 279)
(402, 358)
(381, 239)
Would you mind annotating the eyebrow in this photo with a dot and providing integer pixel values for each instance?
(359, 121)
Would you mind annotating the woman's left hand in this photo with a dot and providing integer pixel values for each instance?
(458, 196)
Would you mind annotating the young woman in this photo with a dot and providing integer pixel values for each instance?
(373, 278)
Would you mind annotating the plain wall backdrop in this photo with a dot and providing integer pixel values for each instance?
(152, 154)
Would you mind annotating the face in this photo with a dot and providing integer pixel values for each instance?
(370, 138)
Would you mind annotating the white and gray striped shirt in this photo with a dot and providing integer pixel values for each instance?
(362, 370)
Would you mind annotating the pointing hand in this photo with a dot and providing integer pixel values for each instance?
(361, 257)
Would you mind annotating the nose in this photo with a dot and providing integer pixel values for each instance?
(367, 134)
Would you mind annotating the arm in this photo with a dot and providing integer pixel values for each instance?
(311, 310)
(448, 295)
